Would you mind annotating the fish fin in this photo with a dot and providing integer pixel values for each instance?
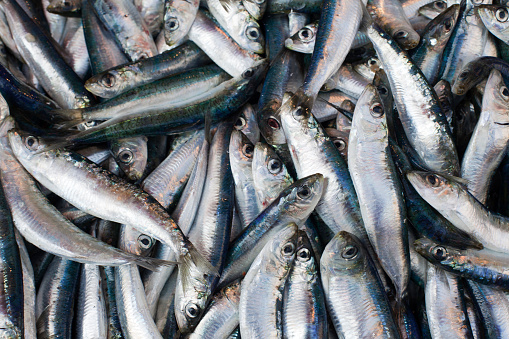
(67, 142)
(227, 5)
(67, 118)
(152, 264)
(366, 20)
(193, 260)
(346, 114)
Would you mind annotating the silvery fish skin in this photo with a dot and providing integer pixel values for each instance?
(210, 231)
(494, 18)
(75, 45)
(43, 225)
(152, 13)
(92, 321)
(131, 155)
(327, 103)
(127, 26)
(334, 39)
(270, 176)
(391, 18)
(355, 297)
(179, 16)
(458, 206)
(55, 299)
(294, 205)
(489, 140)
(222, 315)
(136, 209)
(29, 294)
(312, 152)
(239, 24)
(241, 159)
(125, 76)
(466, 43)
(304, 314)
(296, 21)
(417, 104)
(493, 306)
(418, 265)
(165, 315)
(263, 286)
(381, 201)
(347, 80)
(411, 7)
(255, 7)
(103, 51)
(57, 78)
(445, 305)
(55, 22)
(485, 266)
(428, 54)
(225, 51)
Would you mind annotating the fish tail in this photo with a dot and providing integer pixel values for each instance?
(68, 118)
(152, 264)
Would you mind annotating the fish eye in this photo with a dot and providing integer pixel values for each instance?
(373, 61)
(504, 91)
(303, 255)
(31, 143)
(433, 180)
(66, 4)
(304, 192)
(400, 35)
(240, 123)
(126, 156)
(145, 242)
(172, 24)
(273, 123)
(350, 252)
(274, 166)
(439, 253)
(192, 310)
(448, 24)
(340, 144)
(248, 150)
(108, 80)
(298, 112)
(248, 73)
(376, 110)
(252, 33)
(440, 5)
(382, 90)
(501, 14)
(306, 34)
(288, 249)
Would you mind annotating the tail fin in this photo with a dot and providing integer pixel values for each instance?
(152, 264)
(68, 117)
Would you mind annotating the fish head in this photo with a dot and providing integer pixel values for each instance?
(65, 7)
(133, 241)
(269, 172)
(406, 37)
(282, 247)
(131, 156)
(246, 123)
(301, 198)
(304, 40)
(433, 9)
(111, 82)
(269, 122)
(495, 18)
(241, 150)
(177, 21)
(249, 32)
(295, 115)
(339, 139)
(496, 99)
(433, 252)
(343, 253)
(435, 188)
(369, 117)
(440, 29)
(304, 256)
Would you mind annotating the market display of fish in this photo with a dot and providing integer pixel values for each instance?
(254, 169)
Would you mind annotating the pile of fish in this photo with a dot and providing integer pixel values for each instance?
(253, 168)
